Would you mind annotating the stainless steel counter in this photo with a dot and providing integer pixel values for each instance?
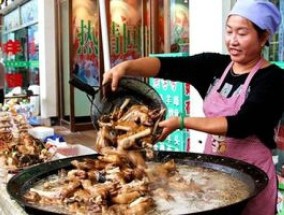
(9, 206)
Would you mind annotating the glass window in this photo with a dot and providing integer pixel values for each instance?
(21, 65)
(33, 55)
(180, 26)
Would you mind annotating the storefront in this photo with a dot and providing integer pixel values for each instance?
(24, 37)
(68, 38)
(98, 41)
(47, 42)
(20, 48)
(74, 39)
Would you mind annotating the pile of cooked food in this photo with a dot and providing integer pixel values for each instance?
(124, 180)
(107, 185)
(129, 129)
(18, 149)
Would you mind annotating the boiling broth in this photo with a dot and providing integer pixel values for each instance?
(215, 189)
(218, 189)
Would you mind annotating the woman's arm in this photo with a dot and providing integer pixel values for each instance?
(211, 125)
(144, 67)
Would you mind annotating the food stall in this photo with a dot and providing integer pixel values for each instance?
(254, 178)
(121, 168)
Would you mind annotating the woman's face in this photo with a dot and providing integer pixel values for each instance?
(242, 40)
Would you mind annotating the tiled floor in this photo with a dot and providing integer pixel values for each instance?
(86, 138)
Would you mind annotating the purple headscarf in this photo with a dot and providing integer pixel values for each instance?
(261, 12)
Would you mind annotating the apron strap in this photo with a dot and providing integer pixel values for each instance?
(248, 79)
(252, 73)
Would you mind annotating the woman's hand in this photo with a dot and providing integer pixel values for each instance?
(115, 74)
(169, 125)
(143, 67)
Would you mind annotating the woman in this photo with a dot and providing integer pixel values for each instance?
(243, 93)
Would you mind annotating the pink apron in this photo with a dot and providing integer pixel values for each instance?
(249, 149)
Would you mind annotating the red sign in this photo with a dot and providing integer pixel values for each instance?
(12, 47)
(14, 80)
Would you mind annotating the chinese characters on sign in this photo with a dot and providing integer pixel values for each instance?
(12, 47)
(85, 24)
(127, 43)
(125, 30)
(88, 43)
(176, 96)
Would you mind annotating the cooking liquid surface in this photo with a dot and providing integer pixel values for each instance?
(218, 189)
(215, 189)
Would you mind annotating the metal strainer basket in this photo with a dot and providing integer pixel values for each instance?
(137, 90)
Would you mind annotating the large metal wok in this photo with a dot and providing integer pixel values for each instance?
(103, 100)
(255, 178)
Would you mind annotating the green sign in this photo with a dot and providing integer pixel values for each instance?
(279, 63)
(17, 64)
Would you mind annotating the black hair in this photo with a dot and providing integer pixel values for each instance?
(261, 32)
